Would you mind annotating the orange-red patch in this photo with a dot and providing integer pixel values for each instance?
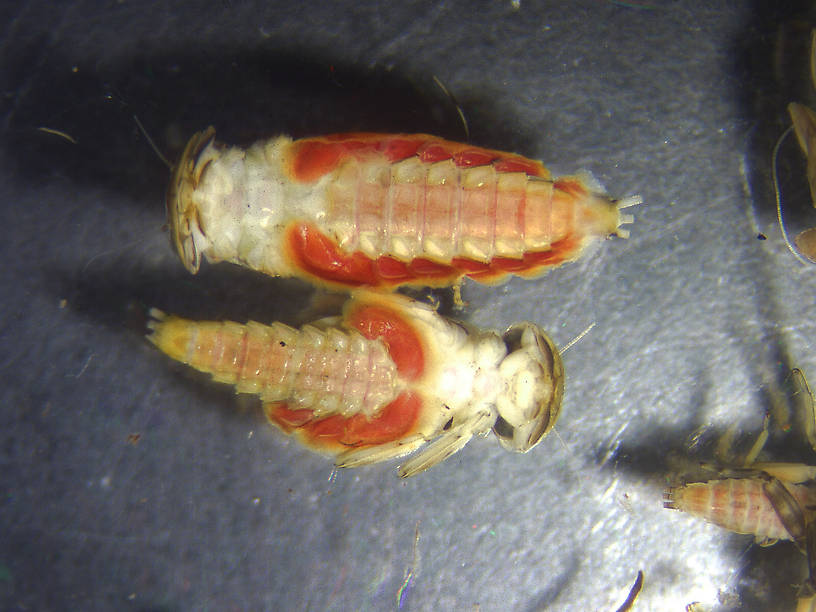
(571, 187)
(318, 256)
(520, 164)
(286, 419)
(529, 265)
(433, 153)
(395, 421)
(473, 157)
(336, 433)
(403, 343)
(312, 159)
(397, 149)
(316, 157)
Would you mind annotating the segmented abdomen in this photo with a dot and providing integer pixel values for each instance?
(738, 504)
(416, 196)
(329, 372)
(441, 211)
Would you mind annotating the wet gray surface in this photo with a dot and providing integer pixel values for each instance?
(128, 483)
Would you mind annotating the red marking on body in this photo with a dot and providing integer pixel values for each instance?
(520, 164)
(403, 343)
(529, 265)
(391, 271)
(422, 268)
(327, 429)
(397, 149)
(473, 157)
(394, 422)
(469, 267)
(318, 256)
(336, 433)
(286, 419)
(311, 158)
(571, 186)
(390, 268)
(433, 153)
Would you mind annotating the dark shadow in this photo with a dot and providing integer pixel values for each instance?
(441, 298)
(114, 295)
(769, 577)
(247, 94)
(771, 69)
(654, 455)
(554, 585)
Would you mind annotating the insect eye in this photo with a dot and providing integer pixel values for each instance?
(503, 429)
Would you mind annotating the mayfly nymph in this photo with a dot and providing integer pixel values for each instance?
(383, 380)
(381, 210)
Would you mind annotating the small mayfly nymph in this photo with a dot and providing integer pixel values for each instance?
(771, 501)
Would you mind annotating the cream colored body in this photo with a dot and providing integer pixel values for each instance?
(469, 379)
(245, 200)
(231, 204)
